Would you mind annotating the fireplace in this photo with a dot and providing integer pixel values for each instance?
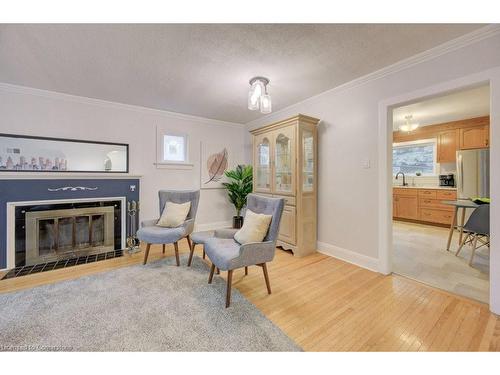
(56, 231)
(22, 196)
(53, 235)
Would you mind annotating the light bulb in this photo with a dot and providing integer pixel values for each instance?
(265, 103)
(254, 95)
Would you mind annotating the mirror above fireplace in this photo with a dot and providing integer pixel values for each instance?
(20, 153)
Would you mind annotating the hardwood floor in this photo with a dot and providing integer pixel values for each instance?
(325, 304)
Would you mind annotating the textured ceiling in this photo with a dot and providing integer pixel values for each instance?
(201, 69)
(455, 106)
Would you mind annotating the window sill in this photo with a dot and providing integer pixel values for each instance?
(173, 165)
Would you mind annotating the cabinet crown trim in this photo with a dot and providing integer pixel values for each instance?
(299, 117)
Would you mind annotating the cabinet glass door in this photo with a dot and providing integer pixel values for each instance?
(284, 162)
(263, 165)
(307, 161)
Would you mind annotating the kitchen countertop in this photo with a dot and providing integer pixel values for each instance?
(425, 187)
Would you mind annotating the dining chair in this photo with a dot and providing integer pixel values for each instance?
(150, 233)
(477, 230)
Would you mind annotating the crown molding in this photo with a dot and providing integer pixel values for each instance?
(9, 87)
(442, 49)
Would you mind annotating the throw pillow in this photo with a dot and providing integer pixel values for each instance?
(174, 214)
(254, 228)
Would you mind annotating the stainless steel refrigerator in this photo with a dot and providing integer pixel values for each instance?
(473, 173)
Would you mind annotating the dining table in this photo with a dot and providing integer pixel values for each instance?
(458, 204)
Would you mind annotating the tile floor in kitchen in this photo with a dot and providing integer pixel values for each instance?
(420, 253)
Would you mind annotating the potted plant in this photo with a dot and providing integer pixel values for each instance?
(239, 186)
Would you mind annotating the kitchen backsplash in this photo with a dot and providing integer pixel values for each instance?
(412, 180)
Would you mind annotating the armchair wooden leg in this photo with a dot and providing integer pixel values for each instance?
(204, 252)
(176, 247)
(163, 248)
(191, 252)
(246, 271)
(228, 289)
(146, 253)
(217, 270)
(212, 269)
(266, 276)
(188, 238)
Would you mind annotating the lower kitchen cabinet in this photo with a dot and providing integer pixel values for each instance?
(406, 207)
(424, 205)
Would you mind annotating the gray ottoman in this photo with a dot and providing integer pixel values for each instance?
(199, 238)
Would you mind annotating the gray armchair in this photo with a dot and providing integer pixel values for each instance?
(150, 233)
(227, 255)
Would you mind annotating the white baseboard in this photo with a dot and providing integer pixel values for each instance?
(348, 256)
(213, 226)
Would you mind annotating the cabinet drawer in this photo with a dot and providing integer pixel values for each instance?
(287, 225)
(404, 192)
(427, 193)
(289, 200)
(433, 203)
(436, 216)
(446, 195)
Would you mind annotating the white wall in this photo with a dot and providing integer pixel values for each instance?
(348, 134)
(42, 113)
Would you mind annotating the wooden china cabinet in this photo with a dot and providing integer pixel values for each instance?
(285, 165)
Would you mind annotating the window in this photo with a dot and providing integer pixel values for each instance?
(172, 150)
(414, 157)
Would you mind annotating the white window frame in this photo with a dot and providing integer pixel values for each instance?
(160, 161)
(422, 141)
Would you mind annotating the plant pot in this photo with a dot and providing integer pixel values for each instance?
(237, 222)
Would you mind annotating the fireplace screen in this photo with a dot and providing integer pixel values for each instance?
(59, 234)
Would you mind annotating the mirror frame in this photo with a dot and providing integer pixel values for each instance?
(126, 145)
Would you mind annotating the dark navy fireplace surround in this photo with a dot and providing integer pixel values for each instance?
(18, 190)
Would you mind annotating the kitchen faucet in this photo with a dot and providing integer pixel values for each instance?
(404, 181)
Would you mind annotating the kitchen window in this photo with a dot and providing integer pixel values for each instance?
(414, 157)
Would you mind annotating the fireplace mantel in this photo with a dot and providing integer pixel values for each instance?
(64, 176)
(22, 187)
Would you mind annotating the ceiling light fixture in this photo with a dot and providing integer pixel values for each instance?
(408, 126)
(258, 97)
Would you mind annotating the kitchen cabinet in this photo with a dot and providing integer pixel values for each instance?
(474, 137)
(423, 205)
(405, 204)
(285, 166)
(447, 145)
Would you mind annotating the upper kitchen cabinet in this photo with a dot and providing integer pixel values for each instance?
(447, 145)
(451, 136)
(285, 165)
(474, 137)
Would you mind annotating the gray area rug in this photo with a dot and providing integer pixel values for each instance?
(157, 307)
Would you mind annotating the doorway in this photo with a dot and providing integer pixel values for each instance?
(440, 159)
(386, 178)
